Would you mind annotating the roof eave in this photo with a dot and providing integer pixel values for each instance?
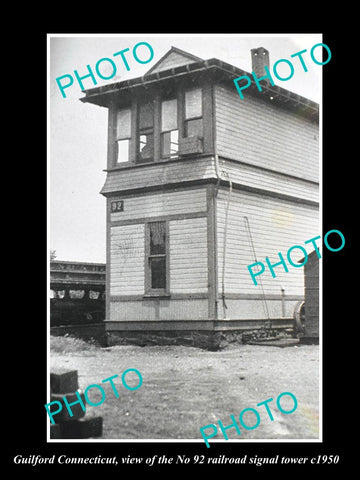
(103, 95)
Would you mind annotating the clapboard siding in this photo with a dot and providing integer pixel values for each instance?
(188, 256)
(160, 309)
(185, 171)
(127, 260)
(265, 135)
(276, 225)
(251, 176)
(161, 203)
(163, 173)
(187, 242)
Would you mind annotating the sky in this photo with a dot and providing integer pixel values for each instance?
(77, 132)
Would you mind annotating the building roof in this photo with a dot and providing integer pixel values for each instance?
(173, 58)
(177, 64)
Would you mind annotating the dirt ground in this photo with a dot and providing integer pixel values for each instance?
(185, 388)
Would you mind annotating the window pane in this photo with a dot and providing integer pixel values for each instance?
(123, 151)
(193, 106)
(194, 128)
(146, 146)
(158, 272)
(168, 115)
(170, 143)
(146, 115)
(123, 124)
(165, 144)
(174, 142)
(157, 238)
(76, 293)
(93, 295)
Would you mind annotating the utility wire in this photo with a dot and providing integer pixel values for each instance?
(261, 285)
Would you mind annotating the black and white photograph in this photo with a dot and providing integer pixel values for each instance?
(186, 253)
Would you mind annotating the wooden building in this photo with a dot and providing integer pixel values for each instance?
(199, 183)
(311, 324)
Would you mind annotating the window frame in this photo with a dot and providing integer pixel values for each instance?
(121, 138)
(169, 131)
(149, 133)
(145, 130)
(186, 119)
(165, 155)
(149, 291)
(121, 162)
(158, 140)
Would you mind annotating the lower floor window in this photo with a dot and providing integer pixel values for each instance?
(158, 273)
(156, 249)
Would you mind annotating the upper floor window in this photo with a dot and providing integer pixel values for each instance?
(123, 135)
(146, 132)
(169, 128)
(193, 113)
(162, 128)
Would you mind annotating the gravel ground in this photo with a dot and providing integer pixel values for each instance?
(185, 388)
